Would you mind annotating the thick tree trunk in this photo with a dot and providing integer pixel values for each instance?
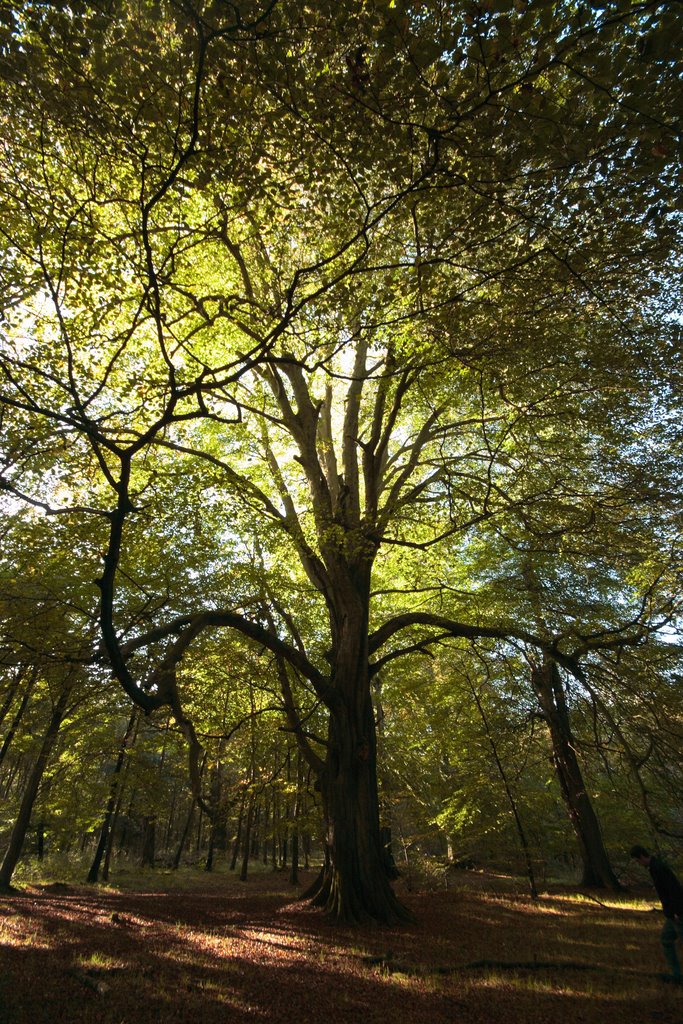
(353, 884)
(31, 791)
(597, 870)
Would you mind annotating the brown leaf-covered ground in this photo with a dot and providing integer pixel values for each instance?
(211, 949)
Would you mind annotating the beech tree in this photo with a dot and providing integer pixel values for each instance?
(336, 283)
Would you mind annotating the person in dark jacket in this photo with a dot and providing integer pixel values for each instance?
(670, 892)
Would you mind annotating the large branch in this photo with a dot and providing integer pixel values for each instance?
(107, 585)
(350, 430)
(189, 628)
(375, 452)
(450, 627)
(294, 720)
(404, 474)
(163, 683)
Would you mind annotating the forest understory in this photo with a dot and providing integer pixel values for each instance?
(209, 948)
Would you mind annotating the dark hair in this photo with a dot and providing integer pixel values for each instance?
(639, 851)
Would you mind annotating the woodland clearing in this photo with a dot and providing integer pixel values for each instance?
(209, 948)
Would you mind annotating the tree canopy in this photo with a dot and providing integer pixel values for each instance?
(350, 331)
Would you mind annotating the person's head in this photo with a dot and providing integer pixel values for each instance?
(641, 855)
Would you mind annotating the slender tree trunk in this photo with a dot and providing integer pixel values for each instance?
(238, 833)
(11, 775)
(266, 820)
(296, 814)
(200, 826)
(40, 840)
(306, 841)
(216, 787)
(256, 834)
(208, 866)
(31, 791)
(184, 836)
(126, 743)
(597, 870)
(148, 842)
(246, 847)
(112, 830)
(276, 830)
(123, 838)
(511, 800)
(385, 807)
(9, 696)
(294, 866)
(9, 736)
(170, 823)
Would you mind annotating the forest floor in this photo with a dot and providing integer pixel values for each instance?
(210, 949)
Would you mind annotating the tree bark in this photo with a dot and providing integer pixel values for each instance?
(597, 870)
(353, 885)
(31, 791)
